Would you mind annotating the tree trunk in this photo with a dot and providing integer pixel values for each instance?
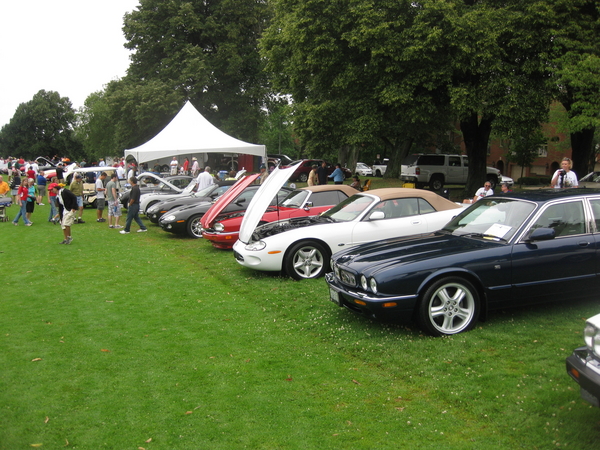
(476, 134)
(398, 150)
(582, 143)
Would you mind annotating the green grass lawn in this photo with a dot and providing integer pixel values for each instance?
(158, 342)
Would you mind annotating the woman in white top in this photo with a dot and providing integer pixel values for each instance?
(564, 177)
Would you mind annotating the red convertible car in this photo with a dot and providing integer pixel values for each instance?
(223, 229)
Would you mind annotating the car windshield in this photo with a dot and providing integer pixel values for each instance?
(593, 176)
(204, 192)
(349, 209)
(497, 219)
(295, 199)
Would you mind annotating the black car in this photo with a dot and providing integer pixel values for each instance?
(207, 194)
(584, 364)
(151, 183)
(186, 219)
(503, 251)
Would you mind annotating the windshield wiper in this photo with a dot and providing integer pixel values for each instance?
(484, 236)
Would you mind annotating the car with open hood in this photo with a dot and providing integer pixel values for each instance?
(503, 251)
(301, 247)
(223, 229)
(186, 219)
(151, 183)
(208, 194)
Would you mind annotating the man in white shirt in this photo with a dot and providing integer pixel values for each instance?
(483, 192)
(100, 197)
(174, 164)
(205, 179)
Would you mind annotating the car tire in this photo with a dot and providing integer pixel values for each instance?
(308, 259)
(303, 177)
(378, 173)
(194, 227)
(449, 306)
(436, 183)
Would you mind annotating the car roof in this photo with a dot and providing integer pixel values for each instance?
(346, 189)
(545, 195)
(438, 202)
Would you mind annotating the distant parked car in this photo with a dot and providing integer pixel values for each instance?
(507, 180)
(363, 170)
(584, 364)
(591, 180)
(285, 159)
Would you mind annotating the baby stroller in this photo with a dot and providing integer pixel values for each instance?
(5, 202)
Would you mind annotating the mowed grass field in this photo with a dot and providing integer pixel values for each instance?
(153, 341)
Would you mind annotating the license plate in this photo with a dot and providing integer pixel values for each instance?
(334, 297)
(588, 397)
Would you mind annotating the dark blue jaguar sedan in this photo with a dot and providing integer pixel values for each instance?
(525, 248)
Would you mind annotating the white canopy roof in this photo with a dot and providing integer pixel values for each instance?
(189, 133)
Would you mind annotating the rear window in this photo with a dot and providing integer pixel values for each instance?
(431, 160)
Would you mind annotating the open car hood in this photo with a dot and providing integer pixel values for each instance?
(262, 199)
(224, 200)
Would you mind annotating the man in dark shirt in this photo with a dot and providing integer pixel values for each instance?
(133, 208)
(67, 208)
(322, 173)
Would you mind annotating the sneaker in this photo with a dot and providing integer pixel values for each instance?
(41, 204)
(15, 224)
(142, 230)
(80, 220)
(100, 220)
(124, 232)
(68, 240)
(118, 226)
(111, 226)
(29, 224)
(63, 242)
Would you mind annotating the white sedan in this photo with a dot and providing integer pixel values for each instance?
(363, 170)
(302, 247)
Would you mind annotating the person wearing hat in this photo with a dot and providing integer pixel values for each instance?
(195, 167)
(263, 174)
(67, 209)
(76, 188)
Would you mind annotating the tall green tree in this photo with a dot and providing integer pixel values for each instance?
(42, 126)
(576, 71)
(206, 52)
(337, 60)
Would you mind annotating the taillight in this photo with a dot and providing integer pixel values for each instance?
(417, 171)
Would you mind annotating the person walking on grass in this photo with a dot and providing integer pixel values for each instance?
(133, 209)
(114, 207)
(67, 209)
(22, 194)
(100, 197)
(77, 189)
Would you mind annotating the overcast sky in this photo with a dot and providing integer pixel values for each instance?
(73, 47)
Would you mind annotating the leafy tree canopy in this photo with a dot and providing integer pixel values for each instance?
(42, 126)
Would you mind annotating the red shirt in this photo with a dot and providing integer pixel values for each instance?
(23, 193)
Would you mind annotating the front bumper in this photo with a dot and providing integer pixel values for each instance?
(173, 227)
(409, 178)
(268, 261)
(397, 308)
(585, 370)
(221, 240)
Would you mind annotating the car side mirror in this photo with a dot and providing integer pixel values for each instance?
(308, 205)
(542, 234)
(377, 215)
(240, 202)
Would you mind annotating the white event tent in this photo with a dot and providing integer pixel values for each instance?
(190, 134)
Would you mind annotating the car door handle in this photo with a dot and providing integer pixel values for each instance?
(584, 244)
(415, 222)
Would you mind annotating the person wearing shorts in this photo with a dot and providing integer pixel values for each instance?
(114, 205)
(67, 208)
(100, 197)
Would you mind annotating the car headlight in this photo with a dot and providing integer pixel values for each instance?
(256, 246)
(169, 218)
(373, 285)
(347, 278)
(363, 282)
(592, 338)
(219, 227)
